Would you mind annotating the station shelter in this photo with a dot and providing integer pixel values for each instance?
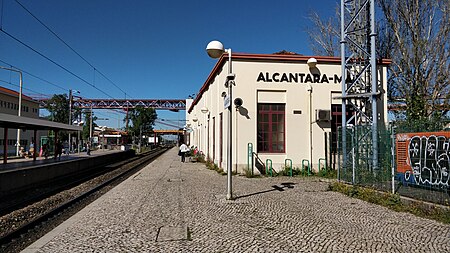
(33, 125)
(287, 110)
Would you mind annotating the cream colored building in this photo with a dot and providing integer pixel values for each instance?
(9, 104)
(287, 109)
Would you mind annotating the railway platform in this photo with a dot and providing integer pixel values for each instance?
(171, 206)
(17, 163)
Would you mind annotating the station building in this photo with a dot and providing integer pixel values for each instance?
(9, 104)
(290, 110)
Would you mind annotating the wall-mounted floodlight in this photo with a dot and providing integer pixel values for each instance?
(204, 110)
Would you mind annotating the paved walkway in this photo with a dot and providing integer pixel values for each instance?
(175, 207)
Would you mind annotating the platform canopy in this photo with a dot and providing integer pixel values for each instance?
(16, 122)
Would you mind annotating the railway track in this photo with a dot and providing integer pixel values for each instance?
(21, 225)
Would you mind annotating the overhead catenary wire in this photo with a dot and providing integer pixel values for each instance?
(16, 85)
(35, 76)
(54, 62)
(1, 16)
(71, 48)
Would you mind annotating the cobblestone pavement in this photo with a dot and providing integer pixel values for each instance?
(175, 207)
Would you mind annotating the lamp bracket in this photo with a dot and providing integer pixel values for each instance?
(231, 76)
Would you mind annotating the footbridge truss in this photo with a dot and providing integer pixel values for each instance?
(160, 104)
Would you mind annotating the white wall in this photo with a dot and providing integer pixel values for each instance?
(298, 144)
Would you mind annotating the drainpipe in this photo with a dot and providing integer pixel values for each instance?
(310, 90)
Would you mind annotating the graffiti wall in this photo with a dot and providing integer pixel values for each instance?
(423, 158)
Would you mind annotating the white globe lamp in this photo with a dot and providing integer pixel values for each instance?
(215, 49)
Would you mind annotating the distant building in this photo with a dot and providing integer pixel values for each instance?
(9, 104)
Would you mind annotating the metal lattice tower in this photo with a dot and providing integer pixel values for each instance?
(359, 84)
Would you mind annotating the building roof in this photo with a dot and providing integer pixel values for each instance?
(15, 94)
(16, 122)
(294, 58)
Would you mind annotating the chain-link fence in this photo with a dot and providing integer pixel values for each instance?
(412, 159)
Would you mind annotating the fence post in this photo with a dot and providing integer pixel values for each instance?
(393, 158)
(326, 149)
(267, 166)
(338, 152)
(285, 161)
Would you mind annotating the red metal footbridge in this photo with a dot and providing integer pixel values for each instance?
(159, 104)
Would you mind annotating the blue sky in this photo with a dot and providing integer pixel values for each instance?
(149, 49)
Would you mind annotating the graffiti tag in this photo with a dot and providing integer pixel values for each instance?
(428, 157)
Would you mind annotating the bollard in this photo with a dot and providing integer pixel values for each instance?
(267, 167)
(290, 166)
(250, 156)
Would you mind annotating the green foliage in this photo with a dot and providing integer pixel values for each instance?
(327, 173)
(142, 119)
(58, 106)
(87, 124)
(249, 174)
(413, 125)
(392, 201)
(212, 166)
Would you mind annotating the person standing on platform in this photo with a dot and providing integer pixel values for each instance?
(88, 148)
(32, 148)
(45, 150)
(183, 150)
(58, 151)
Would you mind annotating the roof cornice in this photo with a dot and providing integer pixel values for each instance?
(266, 58)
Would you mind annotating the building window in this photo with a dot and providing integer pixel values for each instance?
(336, 123)
(271, 128)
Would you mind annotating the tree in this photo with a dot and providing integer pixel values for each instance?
(415, 35)
(58, 106)
(87, 124)
(420, 55)
(142, 118)
(324, 35)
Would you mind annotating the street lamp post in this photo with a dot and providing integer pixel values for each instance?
(215, 49)
(70, 114)
(20, 105)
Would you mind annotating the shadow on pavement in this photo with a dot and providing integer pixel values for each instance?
(287, 185)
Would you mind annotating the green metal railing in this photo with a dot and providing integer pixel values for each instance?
(290, 166)
(324, 164)
(308, 165)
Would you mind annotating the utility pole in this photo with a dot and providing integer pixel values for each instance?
(90, 126)
(20, 104)
(70, 118)
(140, 138)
